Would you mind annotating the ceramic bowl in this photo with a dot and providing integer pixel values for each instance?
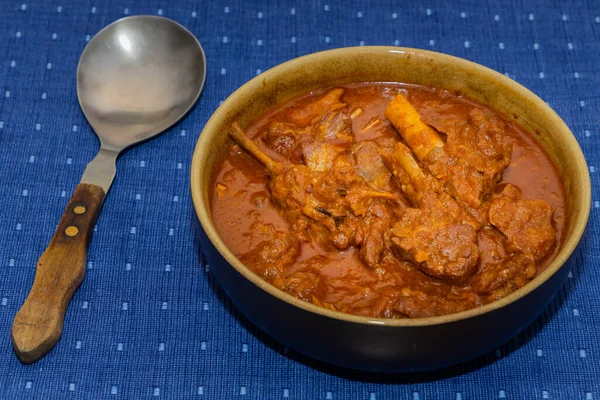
(373, 344)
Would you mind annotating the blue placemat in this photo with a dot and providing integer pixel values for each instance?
(149, 320)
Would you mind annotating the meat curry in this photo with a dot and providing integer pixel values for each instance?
(389, 200)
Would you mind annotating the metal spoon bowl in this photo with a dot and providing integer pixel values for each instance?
(136, 78)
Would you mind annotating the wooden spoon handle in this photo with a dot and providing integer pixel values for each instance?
(37, 327)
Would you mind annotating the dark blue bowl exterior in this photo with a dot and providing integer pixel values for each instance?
(378, 348)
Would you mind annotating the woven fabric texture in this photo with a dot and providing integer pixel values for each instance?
(150, 321)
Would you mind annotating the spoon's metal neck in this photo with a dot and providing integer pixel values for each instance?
(101, 170)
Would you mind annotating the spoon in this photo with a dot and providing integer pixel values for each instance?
(136, 78)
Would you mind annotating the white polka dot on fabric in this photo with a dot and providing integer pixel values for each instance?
(542, 75)
(496, 17)
(463, 14)
(501, 46)
(23, 7)
(467, 44)
(194, 15)
(428, 11)
(531, 17)
(536, 46)
(431, 42)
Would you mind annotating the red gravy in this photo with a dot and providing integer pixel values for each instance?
(244, 215)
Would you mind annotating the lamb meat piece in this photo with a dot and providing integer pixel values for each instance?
(415, 303)
(300, 284)
(444, 250)
(269, 258)
(527, 224)
(283, 137)
(438, 235)
(499, 279)
(476, 153)
(369, 165)
(303, 115)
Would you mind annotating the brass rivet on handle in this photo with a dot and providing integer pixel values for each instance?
(79, 210)
(71, 231)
